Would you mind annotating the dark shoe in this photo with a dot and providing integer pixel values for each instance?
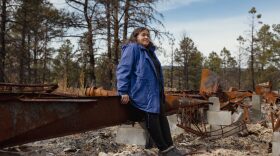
(181, 152)
(171, 151)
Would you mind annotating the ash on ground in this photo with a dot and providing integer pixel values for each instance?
(102, 143)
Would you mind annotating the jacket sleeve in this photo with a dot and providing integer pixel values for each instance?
(124, 70)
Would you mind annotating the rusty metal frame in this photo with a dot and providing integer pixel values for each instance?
(191, 119)
(31, 117)
(225, 131)
(21, 88)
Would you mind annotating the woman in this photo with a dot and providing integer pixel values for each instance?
(140, 80)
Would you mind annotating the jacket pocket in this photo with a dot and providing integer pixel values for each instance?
(140, 91)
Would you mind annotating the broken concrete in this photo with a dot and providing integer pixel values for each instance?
(216, 106)
(137, 134)
(276, 144)
(175, 130)
(256, 102)
(256, 111)
(236, 116)
(128, 134)
(219, 118)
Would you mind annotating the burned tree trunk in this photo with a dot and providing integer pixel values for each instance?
(116, 32)
(2, 40)
(90, 43)
(125, 25)
(22, 52)
(109, 42)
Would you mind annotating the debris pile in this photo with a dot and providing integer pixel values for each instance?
(102, 143)
(216, 122)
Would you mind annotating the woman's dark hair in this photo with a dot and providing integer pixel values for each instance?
(135, 33)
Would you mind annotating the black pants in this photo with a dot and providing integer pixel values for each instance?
(157, 126)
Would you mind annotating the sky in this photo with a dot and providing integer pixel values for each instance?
(213, 24)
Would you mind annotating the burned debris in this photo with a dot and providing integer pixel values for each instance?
(31, 113)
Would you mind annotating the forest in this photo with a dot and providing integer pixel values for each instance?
(79, 45)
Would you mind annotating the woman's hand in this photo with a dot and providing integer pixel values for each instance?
(125, 99)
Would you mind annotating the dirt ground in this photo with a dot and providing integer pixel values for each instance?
(102, 143)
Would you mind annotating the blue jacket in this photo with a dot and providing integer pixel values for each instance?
(136, 76)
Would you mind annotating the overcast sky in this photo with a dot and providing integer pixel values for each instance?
(214, 24)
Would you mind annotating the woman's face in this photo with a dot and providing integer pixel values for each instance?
(143, 38)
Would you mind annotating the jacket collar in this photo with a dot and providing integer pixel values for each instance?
(151, 48)
(145, 50)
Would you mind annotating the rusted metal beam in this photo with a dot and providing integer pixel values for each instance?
(93, 91)
(24, 120)
(272, 120)
(173, 100)
(265, 90)
(28, 117)
(11, 87)
(276, 124)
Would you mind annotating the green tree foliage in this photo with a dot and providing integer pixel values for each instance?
(195, 68)
(228, 68)
(240, 55)
(227, 60)
(65, 66)
(214, 62)
(275, 59)
(263, 50)
(34, 24)
(102, 76)
(254, 19)
(183, 57)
